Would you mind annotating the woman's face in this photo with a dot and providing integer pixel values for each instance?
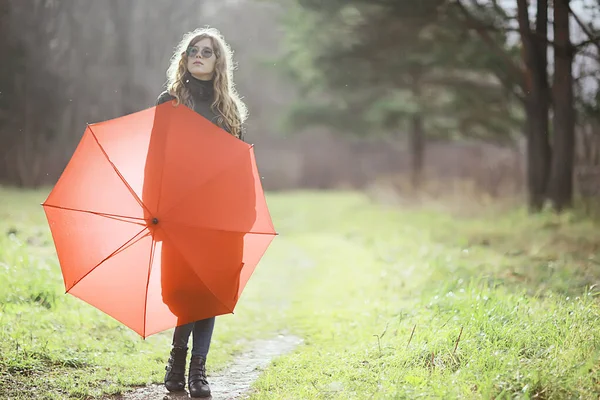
(201, 59)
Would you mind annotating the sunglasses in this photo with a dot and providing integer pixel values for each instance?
(206, 52)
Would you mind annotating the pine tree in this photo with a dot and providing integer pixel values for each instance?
(372, 67)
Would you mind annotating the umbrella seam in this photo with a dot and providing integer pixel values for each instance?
(131, 191)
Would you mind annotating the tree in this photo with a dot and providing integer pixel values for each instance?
(537, 103)
(97, 60)
(33, 99)
(528, 83)
(550, 168)
(387, 66)
(560, 190)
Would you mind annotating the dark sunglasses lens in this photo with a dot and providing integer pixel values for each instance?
(207, 53)
(192, 51)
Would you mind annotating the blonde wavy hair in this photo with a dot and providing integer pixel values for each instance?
(227, 103)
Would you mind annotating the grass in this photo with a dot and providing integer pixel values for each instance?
(392, 303)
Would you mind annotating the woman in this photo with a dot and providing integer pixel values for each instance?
(200, 77)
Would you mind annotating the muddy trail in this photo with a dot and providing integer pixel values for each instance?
(235, 381)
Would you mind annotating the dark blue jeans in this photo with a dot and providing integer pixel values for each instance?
(202, 330)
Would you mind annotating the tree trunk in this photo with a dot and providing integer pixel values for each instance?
(122, 15)
(537, 101)
(7, 137)
(560, 189)
(417, 133)
(417, 149)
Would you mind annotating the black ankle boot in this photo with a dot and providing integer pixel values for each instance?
(197, 383)
(175, 376)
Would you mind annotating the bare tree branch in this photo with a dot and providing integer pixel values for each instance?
(592, 39)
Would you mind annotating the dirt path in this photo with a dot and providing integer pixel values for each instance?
(235, 381)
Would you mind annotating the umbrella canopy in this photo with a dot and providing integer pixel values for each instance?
(159, 218)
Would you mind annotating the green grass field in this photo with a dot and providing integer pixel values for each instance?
(391, 302)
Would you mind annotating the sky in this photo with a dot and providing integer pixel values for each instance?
(579, 7)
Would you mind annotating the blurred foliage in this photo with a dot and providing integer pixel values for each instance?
(367, 67)
(29, 100)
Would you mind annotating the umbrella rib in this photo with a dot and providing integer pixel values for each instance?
(218, 174)
(162, 170)
(135, 196)
(122, 218)
(152, 252)
(120, 249)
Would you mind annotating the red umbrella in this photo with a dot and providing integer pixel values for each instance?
(159, 218)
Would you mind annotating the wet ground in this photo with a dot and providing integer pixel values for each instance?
(235, 381)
